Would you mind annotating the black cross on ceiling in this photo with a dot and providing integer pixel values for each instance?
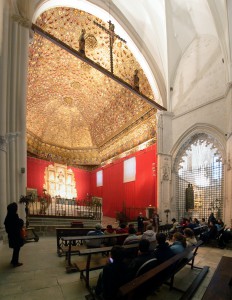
(112, 36)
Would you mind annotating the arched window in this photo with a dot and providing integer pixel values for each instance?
(199, 178)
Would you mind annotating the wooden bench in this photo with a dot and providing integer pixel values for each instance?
(220, 286)
(69, 231)
(173, 265)
(73, 245)
(200, 230)
(165, 228)
(91, 265)
(214, 242)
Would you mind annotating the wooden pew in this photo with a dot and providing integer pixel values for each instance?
(220, 286)
(174, 265)
(199, 230)
(76, 240)
(165, 228)
(90, 264)
(70, 231)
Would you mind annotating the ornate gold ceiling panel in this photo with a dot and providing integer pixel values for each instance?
(76, 114)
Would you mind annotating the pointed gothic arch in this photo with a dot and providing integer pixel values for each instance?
(198, 163)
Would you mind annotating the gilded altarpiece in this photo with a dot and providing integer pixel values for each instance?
(60, 181)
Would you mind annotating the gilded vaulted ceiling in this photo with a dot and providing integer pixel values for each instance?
(76, 114)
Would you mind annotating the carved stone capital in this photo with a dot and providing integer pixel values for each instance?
(3, 143)
(22, 21)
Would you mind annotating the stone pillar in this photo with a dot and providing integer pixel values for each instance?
(13, 85)
(229, 13)
(228, 187)
(3, 111)
(228, 165)
(3, 198)
(165, 186)
(164, 144)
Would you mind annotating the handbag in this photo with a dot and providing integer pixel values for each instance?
(23, 233)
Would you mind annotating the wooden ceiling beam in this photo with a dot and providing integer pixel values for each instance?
(85, 59)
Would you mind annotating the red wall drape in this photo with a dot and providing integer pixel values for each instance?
(139, 193)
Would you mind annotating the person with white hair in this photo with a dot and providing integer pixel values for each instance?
(150, 235)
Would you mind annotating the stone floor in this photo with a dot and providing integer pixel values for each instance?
(43, 275)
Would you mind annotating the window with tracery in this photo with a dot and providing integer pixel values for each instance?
(200, 170)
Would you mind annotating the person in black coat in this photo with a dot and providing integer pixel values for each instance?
(140, 222)
(113, 276)
(211, 234)
(144, 255)
(13, 225)
(163, 251)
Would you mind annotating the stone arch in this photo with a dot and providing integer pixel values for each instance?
(209, 136)
(199, 131)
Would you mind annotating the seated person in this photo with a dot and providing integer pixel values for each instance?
(113, 275)
(150, 235)
(110, 232)
(212, 233)
(132, 237)
(190, 224)
(162, 252)
(211, 219)
(183, 222)
(122, 229)
(95, 243)
(179, 243)
(144, 255)
(174, 225)
(131, 225)
(203, 222)
(220, 225)
(190, 237)
(225, 238)
(196, 222)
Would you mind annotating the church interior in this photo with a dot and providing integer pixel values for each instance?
(111, 108)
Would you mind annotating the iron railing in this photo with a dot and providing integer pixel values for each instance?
(66, 208)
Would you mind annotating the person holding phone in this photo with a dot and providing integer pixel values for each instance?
(113, 276)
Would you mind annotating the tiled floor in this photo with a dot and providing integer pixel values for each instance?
(43, 275)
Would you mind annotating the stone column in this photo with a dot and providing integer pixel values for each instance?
(3, 110)
(164, 144)
(228, 165)
(21, 28)
(13, 85)
(3, 198)
(229, 13)
(228, 187)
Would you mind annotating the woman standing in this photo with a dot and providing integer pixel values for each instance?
(13, 225)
